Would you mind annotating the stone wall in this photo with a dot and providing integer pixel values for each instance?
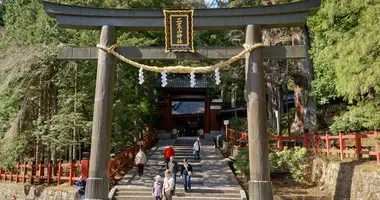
(28, 192)
(348, 180)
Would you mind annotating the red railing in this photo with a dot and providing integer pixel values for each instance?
(70, 172)
(328, 144)
(128, 155)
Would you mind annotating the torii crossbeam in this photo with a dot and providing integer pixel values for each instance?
(251, 19)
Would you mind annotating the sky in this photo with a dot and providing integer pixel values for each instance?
(209, 2)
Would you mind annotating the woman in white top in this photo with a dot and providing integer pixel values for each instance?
(140, 161)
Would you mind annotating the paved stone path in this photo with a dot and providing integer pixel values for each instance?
(212, 178)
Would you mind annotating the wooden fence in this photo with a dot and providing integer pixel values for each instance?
(70, 172)
(328, 144)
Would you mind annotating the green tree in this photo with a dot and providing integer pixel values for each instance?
(48, 102)
(346, 51)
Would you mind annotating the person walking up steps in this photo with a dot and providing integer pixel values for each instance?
(169, 151)
(168, 185)
(157, 188)
(81, 186)
(173, 168)
(197, 149)
(140, 161)
(186, 173)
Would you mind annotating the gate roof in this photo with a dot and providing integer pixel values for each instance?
(273, 16)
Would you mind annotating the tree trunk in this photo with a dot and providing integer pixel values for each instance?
(305, 117)
(40, 114)
(75, 111)
(270, 104)
(279, 109)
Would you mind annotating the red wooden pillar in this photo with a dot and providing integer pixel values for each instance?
(358, 144)
(49, 172)
(59, 172)
(306, 141)
(378, 150)
(1, 174)
(84, 168)
(24, 173)
(72, 173)
(341, 146)
(315, 139)
(328, 143)
(40, 172)
(11, 178)
(280, 143)
(33, 172)
(17, 175)
(123, 160)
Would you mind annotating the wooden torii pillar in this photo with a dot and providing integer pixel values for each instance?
(98, 183)
(260, 186)
(251, 19)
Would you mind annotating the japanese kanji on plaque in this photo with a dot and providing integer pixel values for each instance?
(179, 30)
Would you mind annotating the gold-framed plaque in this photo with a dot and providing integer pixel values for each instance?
(178, 30)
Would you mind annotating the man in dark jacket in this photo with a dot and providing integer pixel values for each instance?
(186, 173)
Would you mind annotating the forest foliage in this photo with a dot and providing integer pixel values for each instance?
(346, 55)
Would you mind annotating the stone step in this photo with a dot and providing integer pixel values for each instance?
(174, 198)
(181, 190)
(179, 194)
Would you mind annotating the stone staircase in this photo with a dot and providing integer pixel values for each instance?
(212, 178)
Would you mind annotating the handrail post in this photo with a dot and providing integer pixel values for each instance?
(24, 172)
(11, 174)
(280, 143)
(72, 173)
(305, 141)
(328, 143)
(341, 146)
(123, 158)
(315, 139)
(18, 172)
(33, 173)
(49, 172)
(41, 172)
(59, 172)
(358, 146)
(378, 149)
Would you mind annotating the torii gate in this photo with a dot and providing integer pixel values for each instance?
(251, 19)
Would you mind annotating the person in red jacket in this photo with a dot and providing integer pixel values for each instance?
(169, 151)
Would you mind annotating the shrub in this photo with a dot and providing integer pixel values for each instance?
(363, 116)
(242, 161)
(296, 162)
(238, 123)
